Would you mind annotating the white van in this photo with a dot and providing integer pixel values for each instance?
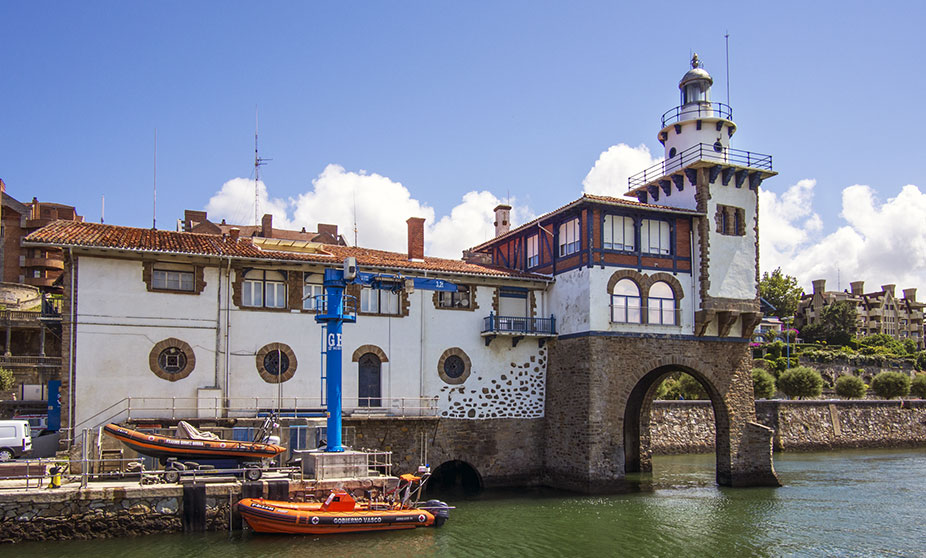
(15, 439)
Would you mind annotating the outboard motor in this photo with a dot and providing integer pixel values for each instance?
(440, 510)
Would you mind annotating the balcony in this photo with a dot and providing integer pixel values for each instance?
(694, 111)
(30, 361)
(39, 281)
(518, 327)
(701, 152)
(45, 263)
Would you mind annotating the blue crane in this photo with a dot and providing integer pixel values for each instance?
(337, 309)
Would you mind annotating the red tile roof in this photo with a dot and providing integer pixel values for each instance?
(110, 237)
(593, 198)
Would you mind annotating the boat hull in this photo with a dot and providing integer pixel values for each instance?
(269, 516)
(163, 447)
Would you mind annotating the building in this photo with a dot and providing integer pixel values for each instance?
(196, 221)
(878, 311)
(540, 368)
(37, 265)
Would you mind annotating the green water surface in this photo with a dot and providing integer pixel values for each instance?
(850, 503)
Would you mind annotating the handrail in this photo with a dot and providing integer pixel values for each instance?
(701, 152)
(519, 324)
(701, 109)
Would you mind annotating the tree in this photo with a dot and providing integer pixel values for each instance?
(850, 387)
(763, 384)
(781, 291)
(890, 385)
(839, 322)
(921, 360)
(682, 387)
(801, 382)
(918, 386)
(6, 379)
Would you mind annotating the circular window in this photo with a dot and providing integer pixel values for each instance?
(718, 147)
(172, 359)
(276, 362)
(672, 152)
(454, 366)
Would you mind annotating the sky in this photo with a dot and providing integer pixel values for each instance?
(373, 112)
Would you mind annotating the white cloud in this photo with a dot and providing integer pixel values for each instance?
(382, 206)
(608, 177)
(878, 242)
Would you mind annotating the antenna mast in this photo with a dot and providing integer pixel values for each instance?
(726, 38)
(258, 162)
(102, 208)
(355, 217)
(154, 207)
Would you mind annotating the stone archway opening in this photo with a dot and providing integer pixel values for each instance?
(638, 442)
(455, 478)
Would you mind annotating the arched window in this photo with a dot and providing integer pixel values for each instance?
(625, 302)
(369, 389)
(661, 304)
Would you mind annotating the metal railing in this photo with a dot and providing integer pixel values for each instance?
(701, 152)
(377, 463)
(30, 361)
(519, 325)
(701, 109)
(627, 314)
(180, 408)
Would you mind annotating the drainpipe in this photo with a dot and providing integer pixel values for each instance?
(71, 344)
(421, 344)
(218, 320)
(227, 322)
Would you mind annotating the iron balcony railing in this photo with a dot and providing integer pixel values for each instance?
(701, 152)
(519, 325)
(695, 111)
(30, 361)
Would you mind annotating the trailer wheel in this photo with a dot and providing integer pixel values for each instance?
(252, 473)
(172, 476)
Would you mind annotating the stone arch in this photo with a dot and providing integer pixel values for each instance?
(364, 349)
(455, 475)
(668, 278)
(634, 276)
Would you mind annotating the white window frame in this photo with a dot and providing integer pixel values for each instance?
(461, 298)
(533, 251)
(661, 310)
(172, 280)
(379, 301)
(618, 233)
(658, 241)
(311, 288)
(570, 239)
(263, 292)
(622, 309)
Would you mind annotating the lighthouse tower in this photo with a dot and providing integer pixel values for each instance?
(702, 172)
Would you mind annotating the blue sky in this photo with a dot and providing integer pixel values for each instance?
(430, 102)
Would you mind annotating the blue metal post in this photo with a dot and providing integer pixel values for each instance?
(333, 317)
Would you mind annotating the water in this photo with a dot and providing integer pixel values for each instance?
(850, 503)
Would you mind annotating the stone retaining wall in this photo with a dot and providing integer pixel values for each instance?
(688, 426)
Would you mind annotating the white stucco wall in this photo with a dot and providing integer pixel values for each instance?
(570, 300)
(732, 258)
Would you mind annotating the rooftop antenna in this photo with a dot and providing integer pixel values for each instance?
(355, 216)
(102, 207)
(258, 162)
(154, 207)
(726, 37)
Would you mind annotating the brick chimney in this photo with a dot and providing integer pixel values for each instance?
(858, 287)
(233, 233)
(502, 219)
(415, 238)
(909, 295)
(819, 286)
(329, 230)
(266, 226)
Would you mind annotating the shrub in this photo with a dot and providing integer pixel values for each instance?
(801, 382)
(921, 360)
(683, 387)
(763, 384)
(781, 363)
(775, 350)
(918, 386)
(850, 387)
(890, 385)
(6, 379)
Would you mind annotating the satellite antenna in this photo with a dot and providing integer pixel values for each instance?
(258, 162)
